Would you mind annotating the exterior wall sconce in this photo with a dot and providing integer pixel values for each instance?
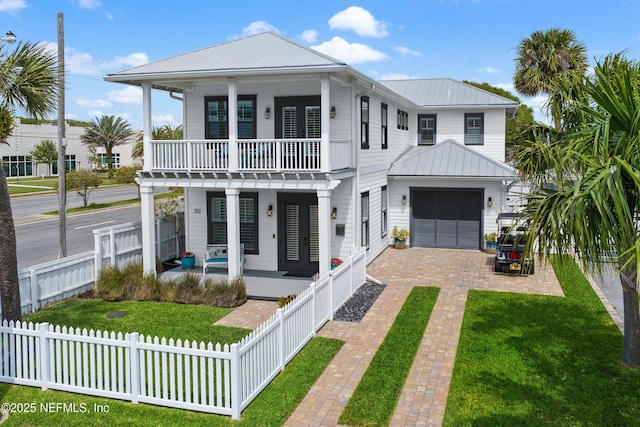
(404, 199)
(267, 112)
(334, 213)
(333, 111)
(489, 202)
(270, 210)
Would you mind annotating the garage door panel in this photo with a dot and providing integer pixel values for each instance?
(468, 232)
(423, 233)
(446, 233)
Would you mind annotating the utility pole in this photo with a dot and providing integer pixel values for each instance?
(62, 163)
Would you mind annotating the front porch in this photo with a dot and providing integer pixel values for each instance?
(269, 285)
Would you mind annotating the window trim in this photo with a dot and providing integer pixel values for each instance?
(384, 206)
(435, 128)
(364, 221)
(364, 124)
(255, 226)
(467, 116)
(207, 129)
(384, 126)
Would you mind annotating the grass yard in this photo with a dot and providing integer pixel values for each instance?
(526, 360)
(375, 398)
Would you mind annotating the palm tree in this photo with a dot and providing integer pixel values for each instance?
(28, 81)
(162, 133)
(107, 132)
(591, 204)
(544, 58)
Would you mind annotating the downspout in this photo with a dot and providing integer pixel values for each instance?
(356, 157)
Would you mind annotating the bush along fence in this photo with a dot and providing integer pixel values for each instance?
(53, 281)
(187, 375)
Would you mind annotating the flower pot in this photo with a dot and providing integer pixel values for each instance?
(491, 247)
(188, 262)
(400, 244)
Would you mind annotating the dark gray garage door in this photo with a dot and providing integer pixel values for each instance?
(446, 218)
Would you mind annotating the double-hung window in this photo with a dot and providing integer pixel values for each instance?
(384, 120)
(364, 122)
(427, 124)
(474, 128)
(217, 117)
(217, 224)
(383, 211)
(364, 219)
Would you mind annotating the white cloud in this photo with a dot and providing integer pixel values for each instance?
(359, 20)
(490, 70)
(87, 4)
(164, 119)
(132, 60)
(406, 51)
(94, 103)
(396, 76)
(507, 86)
(127, 95)
(258, 27)
(310, 36)
(12, 6)
(351, 53)
(79, 62)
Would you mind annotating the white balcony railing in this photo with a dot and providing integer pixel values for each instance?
(265, 155)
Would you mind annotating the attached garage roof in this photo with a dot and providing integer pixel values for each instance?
(449, 159)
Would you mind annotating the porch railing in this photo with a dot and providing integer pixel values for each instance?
(264, 155)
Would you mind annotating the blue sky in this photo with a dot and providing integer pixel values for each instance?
(462, 39)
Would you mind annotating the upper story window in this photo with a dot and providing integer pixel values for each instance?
(364, 122)
(217, 117)
(403, 120)
(474, 128)
(384, 120)
(427, 129)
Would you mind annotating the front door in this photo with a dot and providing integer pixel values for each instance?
(298, 248)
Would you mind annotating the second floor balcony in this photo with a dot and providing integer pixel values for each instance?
(247, 155)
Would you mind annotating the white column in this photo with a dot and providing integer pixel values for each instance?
(232, 116)
(148, 230)
(324, 230)
(233, 232)
(148, 160)
(325, 123)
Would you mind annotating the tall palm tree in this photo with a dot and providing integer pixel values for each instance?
(107, 132)
(544, 58)
(162, 133)
(28, 81)
(591, 205)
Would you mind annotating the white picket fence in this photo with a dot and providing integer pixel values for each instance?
(188, 375)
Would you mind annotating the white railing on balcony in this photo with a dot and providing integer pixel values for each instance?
(268, 155)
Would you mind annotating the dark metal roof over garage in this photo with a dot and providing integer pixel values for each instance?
(449, 159)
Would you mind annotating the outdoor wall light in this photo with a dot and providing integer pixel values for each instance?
(404, 199)
(334, 213)
(267, 112)
(270, 210)
(489, 202)
(333, 111)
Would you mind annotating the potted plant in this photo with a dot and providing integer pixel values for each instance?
(335, 262)
(400, 237)
(491, 242)
(188, 260)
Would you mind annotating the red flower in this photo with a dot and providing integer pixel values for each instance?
(335, 262)
(186, 254)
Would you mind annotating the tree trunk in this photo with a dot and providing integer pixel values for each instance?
(9, 286)
(631, 351)
(109, 165)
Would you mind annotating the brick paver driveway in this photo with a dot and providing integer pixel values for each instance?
(424, 396)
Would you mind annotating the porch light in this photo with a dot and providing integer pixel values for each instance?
(334, 213)
(333, 111)
(270, 210)
(404, 199)
(267, 112)
(489, 202)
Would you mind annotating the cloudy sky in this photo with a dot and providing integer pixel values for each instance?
(462, 39)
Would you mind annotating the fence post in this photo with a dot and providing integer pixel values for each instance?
(330, 295)
(45, 364)
(313, 307)
(112, 246)
(134, 367)
(33, 289)
(158, 238)
(280, 317)
(97, 252)
(236, 383)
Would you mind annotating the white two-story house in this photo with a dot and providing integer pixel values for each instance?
(301, 158)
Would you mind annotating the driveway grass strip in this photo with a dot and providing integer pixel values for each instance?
(375, 398)
(271, 408)
(528, 360)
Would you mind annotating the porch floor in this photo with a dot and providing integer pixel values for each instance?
(261, 284)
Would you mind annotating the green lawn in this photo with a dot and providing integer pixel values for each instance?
(527, 360)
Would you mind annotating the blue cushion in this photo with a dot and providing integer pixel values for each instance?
(218, 260)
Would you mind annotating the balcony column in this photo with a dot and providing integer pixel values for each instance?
(233, 232)
(232, 116)
(148, 230)
(325, 123)
(324, 230)
(147, 159)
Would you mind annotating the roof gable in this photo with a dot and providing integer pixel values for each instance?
(449, 159)
(445, 93)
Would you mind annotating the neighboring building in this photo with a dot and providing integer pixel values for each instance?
(301, 158)
(16, 158)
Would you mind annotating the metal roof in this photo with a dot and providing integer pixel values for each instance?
(449, 159)
(446, 93)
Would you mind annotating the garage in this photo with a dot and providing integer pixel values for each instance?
(446, 218)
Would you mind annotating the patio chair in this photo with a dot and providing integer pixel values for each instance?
(217, 256)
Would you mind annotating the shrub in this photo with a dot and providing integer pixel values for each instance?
(188, 290)
(223, 294)
(282, 301)
(110, 284)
